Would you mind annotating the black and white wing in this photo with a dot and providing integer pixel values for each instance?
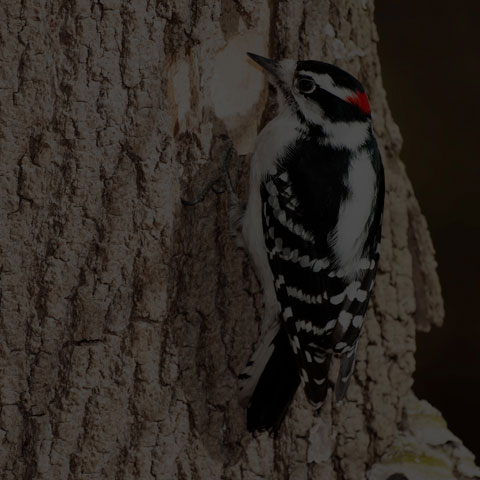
(322, 307)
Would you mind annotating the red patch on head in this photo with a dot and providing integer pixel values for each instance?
(360, 99)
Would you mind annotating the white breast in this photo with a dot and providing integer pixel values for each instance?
(350, 234)
(271, 145)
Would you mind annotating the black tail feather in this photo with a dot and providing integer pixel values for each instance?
(316, 388)
(347, 365)
(275, 389)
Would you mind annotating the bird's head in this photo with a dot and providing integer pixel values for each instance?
(317, 91)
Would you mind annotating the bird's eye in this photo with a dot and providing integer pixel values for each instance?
(305, 85)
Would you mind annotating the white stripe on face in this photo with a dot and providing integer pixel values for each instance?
(324, 81)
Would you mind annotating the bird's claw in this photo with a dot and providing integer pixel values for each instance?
(223, 175)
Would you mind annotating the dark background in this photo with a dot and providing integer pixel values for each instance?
(431, 69)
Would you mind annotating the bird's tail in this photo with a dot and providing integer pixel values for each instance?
(270, 381)
(347, 365)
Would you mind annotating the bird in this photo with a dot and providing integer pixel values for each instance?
(312, 229)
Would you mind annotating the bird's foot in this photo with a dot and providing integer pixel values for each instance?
(222, 182)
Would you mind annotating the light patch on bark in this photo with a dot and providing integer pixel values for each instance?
(319, 443)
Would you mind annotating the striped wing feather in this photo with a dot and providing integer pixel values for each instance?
(322, 311)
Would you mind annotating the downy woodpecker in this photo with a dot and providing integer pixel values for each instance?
(312, 227)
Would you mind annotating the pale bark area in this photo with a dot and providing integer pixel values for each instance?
(125, 317)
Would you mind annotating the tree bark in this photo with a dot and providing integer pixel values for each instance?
(125, 317)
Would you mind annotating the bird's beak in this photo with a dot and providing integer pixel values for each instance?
(269, 65)
(282, 73)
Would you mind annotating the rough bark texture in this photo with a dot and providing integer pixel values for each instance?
(125, 318)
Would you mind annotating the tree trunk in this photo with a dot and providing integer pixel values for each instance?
(125, 317)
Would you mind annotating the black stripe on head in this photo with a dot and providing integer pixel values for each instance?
(340, 77)
(334, 108)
